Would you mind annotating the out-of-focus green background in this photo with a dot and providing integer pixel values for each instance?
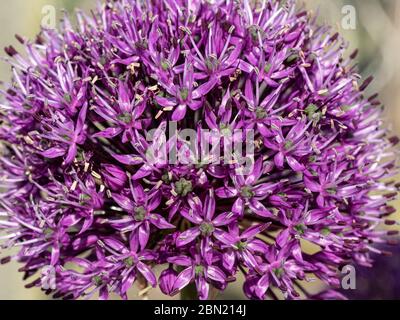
(377, 35)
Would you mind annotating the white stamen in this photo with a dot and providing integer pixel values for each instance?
(74, 185)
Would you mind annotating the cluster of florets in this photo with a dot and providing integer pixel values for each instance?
(80, 195)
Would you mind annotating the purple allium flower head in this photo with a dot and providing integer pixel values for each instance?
(85, 190)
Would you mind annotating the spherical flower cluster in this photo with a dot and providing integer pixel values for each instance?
(81, 195)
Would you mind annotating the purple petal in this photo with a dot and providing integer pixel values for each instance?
(55, 253)
(259, 209)
(184, 261)
(234, 54)
(71, 154)
(154, 201)
(249, 92)
(224, 237)
(128, 282)
(245, 67)
(115, 244)
(179, 112)
(81, 118)
(129, 160)
(191, 215)
(206, 249)
(283, 237)
(187, 236)
(183, 279)
(238, 207)
(138, 193)
(262, 286)
(114, 177)
(144, 234)
(312, 185)
(160, 222)
(256, 173)
(196, 205)
(226, 192)
(103, 294)
(249, 259)
(144, 171)
(70, 220)
(294, 164)
(278, 159)
(254, 230)
(147, 255)
(108, 133)
(228, 259)
(84, 242)
(147, 273)
(264, 189)
(257, 245)
(209, 206)
(165, 102)
(211, 119)
(204, 88)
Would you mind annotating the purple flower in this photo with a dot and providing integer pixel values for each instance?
(289, 147)
(101, 182)
(243, 247)
(300, 222)
(329, 186)
(249, 191)
(183, 94)
(124, 115)
(167, 280)
(94, 278)
(65, 135)
(114, 176)
(279, 270)
(130, 260)
(141, 216)
(218, 60)
(206, 224)
(199, 271)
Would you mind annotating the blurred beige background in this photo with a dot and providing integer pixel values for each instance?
(377, 35)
